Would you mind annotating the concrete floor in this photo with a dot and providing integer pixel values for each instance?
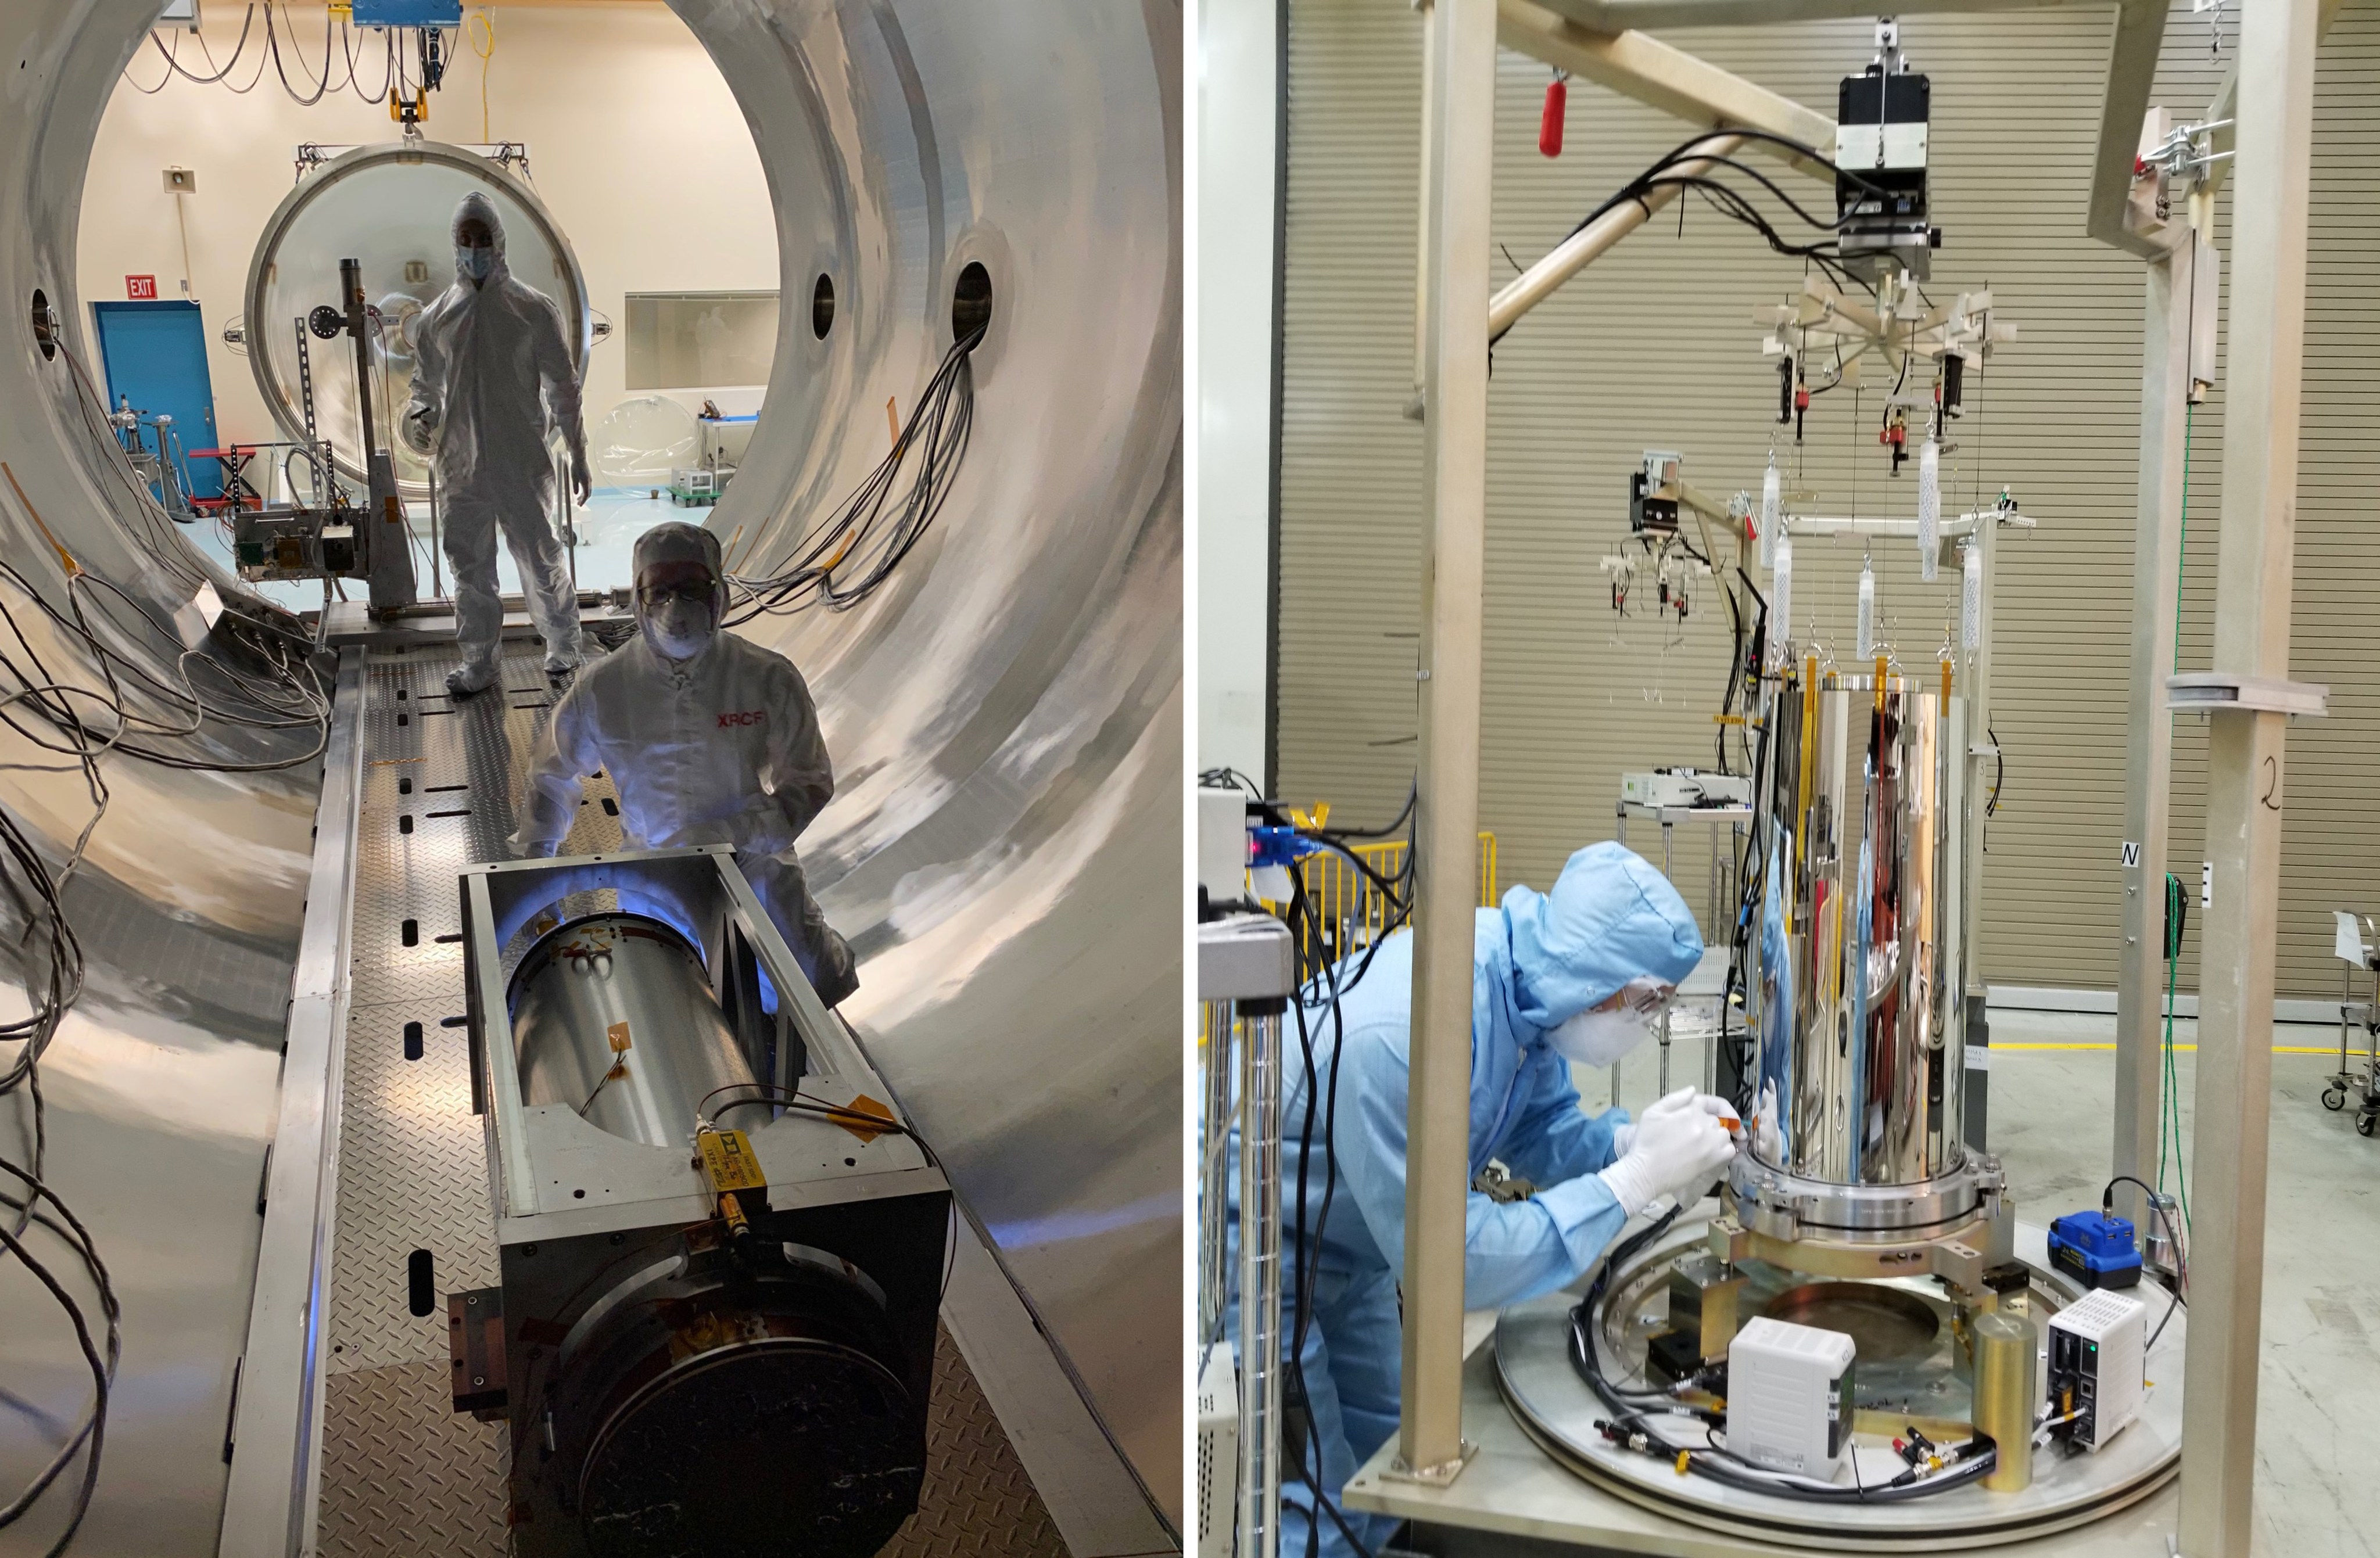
(2052, 1093)
(2316, 1442)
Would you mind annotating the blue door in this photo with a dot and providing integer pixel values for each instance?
(155, 356)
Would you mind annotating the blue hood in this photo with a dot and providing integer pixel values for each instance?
(1610, 918)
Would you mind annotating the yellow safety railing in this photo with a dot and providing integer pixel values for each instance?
(1343, 896)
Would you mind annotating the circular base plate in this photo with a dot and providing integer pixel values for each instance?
(1558, 1410)
(755, 1452)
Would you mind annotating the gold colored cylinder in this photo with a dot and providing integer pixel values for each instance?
(2005, 1346)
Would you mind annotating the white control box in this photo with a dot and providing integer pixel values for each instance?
(2098, 1358)
(1788, 1396)
(1223, 845)
(1685, 787)
(1219, 1449)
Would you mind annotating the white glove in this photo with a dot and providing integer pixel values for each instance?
(761, 829)
(418, 428)
(1678, 1148)
(1710, 1103)
(1767, 1139)
(524, 850)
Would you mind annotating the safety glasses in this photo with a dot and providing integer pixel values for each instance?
(1646, 998)
(688, 581)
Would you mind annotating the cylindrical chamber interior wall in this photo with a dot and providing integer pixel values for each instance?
(1004, 715)
(613, 1018)
(1860, 1014)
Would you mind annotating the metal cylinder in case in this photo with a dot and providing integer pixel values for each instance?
(613, 1017)
(2005, 1347)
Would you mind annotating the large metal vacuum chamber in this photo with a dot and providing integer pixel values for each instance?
(1005, 715)
(1861, 1021)
(735, 1357)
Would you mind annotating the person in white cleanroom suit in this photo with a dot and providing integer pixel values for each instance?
(1573, 976)
(493, 377)
(710, 739)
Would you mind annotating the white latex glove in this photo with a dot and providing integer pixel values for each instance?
(1720, 1110)
(523, 850)
(1767, 1139)
(1711, 1104)
(418, 429)
(1678, 1148)
(761, 829)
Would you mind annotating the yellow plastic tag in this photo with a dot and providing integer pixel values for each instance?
(727, 1160)
(618, 1033)
(66, 558)
(864, 1117)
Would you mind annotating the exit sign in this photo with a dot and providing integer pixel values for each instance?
(140, 289)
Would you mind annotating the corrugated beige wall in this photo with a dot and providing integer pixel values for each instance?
(1655, 347)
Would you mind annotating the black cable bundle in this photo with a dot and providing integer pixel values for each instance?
(52, 970)
(869, 534)
(318, 85)
(1323, 981)
(1752, 862)
(106, 697)
(1633, 1411)
(1733, 204)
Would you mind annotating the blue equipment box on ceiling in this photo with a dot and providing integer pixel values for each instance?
(408, 13)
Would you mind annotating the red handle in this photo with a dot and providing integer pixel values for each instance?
(1550, 127)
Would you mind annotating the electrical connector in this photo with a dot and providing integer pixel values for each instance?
(1626, 1438)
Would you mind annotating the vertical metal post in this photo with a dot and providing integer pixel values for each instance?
(1668, 834)
(1426, 11)
(1979, 733)
(2156, 557)
(565, 518)
(1214, 1166)
(437, 584)
(1260, 1338)
(387, 533)
(1710, 887)
(1975, 1056)
(1463, 122)
(2245, 775)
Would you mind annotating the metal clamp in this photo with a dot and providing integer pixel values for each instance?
(1245, 958)
(1439, 1476)
(2206, 691)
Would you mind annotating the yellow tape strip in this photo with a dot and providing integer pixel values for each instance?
(2277, 1049)
(66, 558)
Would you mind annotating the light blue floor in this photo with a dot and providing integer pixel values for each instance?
(608, 528)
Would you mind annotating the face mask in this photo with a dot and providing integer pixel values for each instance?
(475, 262)
(1598, 1038)
(679, 628)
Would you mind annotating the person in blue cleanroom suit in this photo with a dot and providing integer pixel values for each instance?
(1574, 975)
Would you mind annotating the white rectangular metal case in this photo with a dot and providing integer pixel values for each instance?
(662, 1364)
(2098, 1349)
(1788, 1396)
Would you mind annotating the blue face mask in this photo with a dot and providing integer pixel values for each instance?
(475, 263)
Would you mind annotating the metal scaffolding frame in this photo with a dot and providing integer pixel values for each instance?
(1604, 41)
